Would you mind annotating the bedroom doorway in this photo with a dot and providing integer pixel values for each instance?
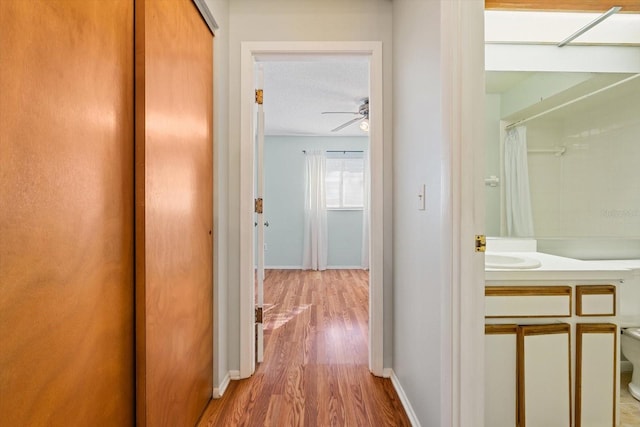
(267, 55)
(312, 145)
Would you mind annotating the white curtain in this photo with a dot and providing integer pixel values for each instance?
(364, 262)
(314, 256)
(518, 194)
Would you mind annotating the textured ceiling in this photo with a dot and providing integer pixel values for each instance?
(296, 93)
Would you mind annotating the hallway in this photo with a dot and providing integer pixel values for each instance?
(315, 371)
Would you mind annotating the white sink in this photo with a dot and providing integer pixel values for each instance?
(510, 262)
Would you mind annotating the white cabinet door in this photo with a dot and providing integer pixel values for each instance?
(500, 376)
(596, 383)
(544, 372)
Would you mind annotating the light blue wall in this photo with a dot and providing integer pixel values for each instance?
(284, 173)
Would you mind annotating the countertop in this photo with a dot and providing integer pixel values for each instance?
(560, 268)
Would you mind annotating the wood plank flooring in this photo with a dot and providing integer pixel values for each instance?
(315, 371)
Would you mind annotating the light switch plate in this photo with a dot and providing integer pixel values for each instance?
(422, 197)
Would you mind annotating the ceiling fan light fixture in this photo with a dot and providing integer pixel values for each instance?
(363, 112)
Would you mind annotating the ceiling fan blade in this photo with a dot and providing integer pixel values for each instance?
(350, 122)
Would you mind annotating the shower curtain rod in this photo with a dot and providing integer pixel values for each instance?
(580, 98)
(557, 151)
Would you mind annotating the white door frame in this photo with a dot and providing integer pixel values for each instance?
(251, 51)
(463, 119)
(260, 223)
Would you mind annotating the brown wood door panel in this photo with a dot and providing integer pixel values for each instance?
(66, 213)
(174, 60)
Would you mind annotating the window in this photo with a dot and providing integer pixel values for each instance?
(344, 183)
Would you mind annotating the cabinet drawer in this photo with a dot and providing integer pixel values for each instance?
(527, 301)
(596, 300)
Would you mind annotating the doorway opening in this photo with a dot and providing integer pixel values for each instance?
(266, 53)
(312, 239)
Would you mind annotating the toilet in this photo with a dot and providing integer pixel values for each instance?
(630, 346)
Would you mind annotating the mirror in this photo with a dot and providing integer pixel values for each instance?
(574, 186)
(583, 151)
(583, 157)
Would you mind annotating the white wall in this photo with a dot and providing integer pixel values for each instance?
(284, 177)
(420, 155)
(220, 11)
(293, 20)
(418, 244)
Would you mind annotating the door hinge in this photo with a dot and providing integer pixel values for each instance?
(259, 94)
(258, 314)
(481, 243)
(258, 205)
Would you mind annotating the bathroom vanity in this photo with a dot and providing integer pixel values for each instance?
(551, 342)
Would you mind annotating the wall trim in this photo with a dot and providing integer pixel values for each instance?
(344, 267)
(222, 387)
(462, 321)
(403, 399)
(283, 267)
(299, 267)
(261, 51)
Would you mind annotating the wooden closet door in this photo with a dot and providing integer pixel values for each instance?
(174, 190)
(66, 213)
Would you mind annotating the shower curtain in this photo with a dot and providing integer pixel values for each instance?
(314, 256)
(518, 194)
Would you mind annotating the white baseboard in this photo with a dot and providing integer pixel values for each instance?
(625, 366)
(299, 267)
(404, 400)
(283, 267)
(387, 372)
(222, 387)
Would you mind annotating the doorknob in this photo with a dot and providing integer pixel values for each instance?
(266, 224)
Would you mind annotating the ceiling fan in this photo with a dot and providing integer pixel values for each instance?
(363, 113)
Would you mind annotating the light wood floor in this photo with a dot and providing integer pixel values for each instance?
(315, 370)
